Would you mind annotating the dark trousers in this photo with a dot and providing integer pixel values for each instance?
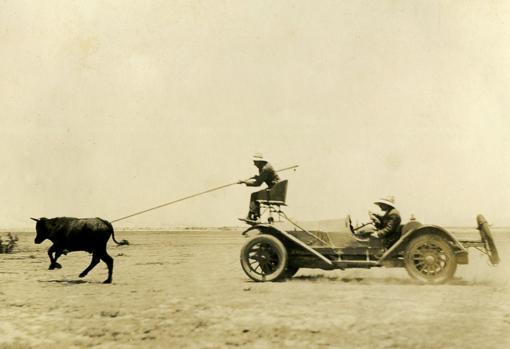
(391, 238)
(254, 205)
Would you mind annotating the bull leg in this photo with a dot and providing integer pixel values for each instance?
(109, 262)
(93, 263)
(53, 261)
(58, 253)
(50, 254)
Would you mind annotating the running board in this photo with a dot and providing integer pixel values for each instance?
(344, 263)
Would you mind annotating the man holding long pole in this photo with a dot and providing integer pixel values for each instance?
(267, 175)
(264, 176)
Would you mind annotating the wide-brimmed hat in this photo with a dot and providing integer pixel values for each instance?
(388, 201)
(259, 157)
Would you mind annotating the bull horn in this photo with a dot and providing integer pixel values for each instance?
(34, 219)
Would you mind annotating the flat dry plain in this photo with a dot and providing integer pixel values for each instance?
(187, 290)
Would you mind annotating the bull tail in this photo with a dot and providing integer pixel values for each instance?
(122, 242)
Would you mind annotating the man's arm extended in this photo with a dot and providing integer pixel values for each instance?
(254, 181)
(391, 226)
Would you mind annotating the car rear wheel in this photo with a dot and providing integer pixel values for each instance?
(430, 259)
(264, 258)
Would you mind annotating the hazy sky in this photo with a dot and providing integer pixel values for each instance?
(112, 107)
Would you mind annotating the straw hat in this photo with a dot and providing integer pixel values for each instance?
(389, 201)
(259, 157)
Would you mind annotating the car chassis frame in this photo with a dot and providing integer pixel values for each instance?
(277, 247)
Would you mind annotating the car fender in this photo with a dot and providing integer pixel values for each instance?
(269, 229)
(426, 229)
(264, 228)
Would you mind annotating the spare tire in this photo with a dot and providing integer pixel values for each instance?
(487, 239)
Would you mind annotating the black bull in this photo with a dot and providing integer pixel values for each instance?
(77, 234)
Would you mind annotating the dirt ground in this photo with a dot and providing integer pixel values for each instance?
(187, 290)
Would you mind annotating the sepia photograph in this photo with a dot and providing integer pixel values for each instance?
(254, 174)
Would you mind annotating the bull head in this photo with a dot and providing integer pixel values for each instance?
(40, 230)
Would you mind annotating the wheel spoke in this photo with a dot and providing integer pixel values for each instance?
(419, 263)
(266, 267)
(262, 258)
(440, 267)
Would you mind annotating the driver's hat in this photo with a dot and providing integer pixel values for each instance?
(389, 201)
(259, 157)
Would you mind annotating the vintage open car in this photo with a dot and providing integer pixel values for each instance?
(277, 247)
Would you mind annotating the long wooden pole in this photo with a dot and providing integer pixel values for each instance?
(191, 196)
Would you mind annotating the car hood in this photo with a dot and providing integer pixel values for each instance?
(338, 225)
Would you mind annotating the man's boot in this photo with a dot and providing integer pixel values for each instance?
(251, 218)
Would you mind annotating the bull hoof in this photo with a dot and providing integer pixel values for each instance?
(82, 275)
(107, 281)
(55, 265)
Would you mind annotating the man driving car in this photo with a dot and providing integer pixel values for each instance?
(386, 224)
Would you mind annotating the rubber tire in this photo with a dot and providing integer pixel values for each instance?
(439, 241)
(278, 248)
(488, 240)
